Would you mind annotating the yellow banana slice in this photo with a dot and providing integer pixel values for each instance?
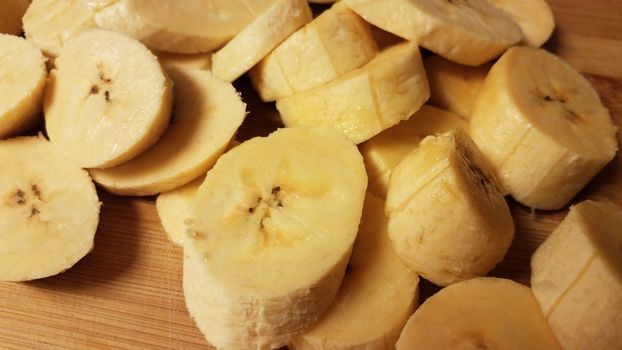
(173, 207)
(185, 61)
(534, 17)
(11, 15)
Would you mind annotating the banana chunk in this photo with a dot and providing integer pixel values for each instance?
(11, 16)
(259, 38)
(388, 89)
(542, 126)
(377, 295)
(481, 313)
(104, 107)
(469, 32)
(23, 72)
(184, 61)
(49, 210)
(173, 208)
(270, 234)
(447, 218)
(534, 17)
(333, 44)
(576, 276)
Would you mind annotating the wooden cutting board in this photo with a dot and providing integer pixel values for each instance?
(127, 293)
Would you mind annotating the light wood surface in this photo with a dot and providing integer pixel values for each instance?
(127, 293)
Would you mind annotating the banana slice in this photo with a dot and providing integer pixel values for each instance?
(333, 44)
(271, 230)
(377, 295)
(49, 210)
(11, 15)
(207, 114)
(173, 207)
(481, 313)
(384, 151)
(453, 86)
(577, 277)
(191, 26)
(542, 126)
(469, 32)
(534, 17)
(23, 75)
(388, 89)
(50, 23)
(104, 107)
(184, 61)
(447, 219)
(259, 38)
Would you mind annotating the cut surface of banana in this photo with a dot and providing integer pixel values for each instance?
(542, 126)
(447, 218)
(376, 297)
(576, 276)
(173, 208)
(270, 233)
(23, 76)
(388, 89)
(49, 210)
(469, 32)
(259, 38)
(333, 44)
(207, 114)
(534, 17)
(104, 107)
(184, 60)
(481, 313)
(11, 16)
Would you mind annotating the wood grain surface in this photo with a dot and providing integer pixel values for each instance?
(127, 293)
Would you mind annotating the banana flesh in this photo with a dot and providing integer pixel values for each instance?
(173, 207)
(534, 17)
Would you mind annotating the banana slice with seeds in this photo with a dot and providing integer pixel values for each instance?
(11, 16)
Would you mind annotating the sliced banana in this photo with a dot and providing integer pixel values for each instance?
(22, 81)
(11, 15)
(469, 32)
(173, 207)
(447, 218)
(384, 151)
(481, 313)
(104, 107)
(207, 114)
(259, 38)
(333, 44)
(542, 126)
(270, 233)
(388, 89)
(534, 17)
(377, 295)
(576, 276)
(49, 210)
(185, 61)
(50, 23)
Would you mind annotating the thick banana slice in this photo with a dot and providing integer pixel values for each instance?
(49, 210)
(270, 233)
(542, 126)
(173, 207)
(388, 89)
(259, 38)
(454, 86)
(191, 26)
(105, 106)
(333, 44)
(377, 295)
(50, 23)
(481, 313)
(534, 17)
(447, 218)
(11, 15)
(207, 114)
(576, 276)
(469, 32)
(384, 151)
(184, 61)
(22, 80)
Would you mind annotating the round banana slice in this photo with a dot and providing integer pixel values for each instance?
(11, 15)
(534, 17)
(173, 207)
(469, 32)
(270, 233)
(377, 295)
(207, 114)
(107, 100)
(481, 313)
(22, 81)
(542, 126)
(447, 218)
(259, 38)
(49, 210)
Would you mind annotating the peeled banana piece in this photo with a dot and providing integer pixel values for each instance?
(388, 89)
(481, 313)
(11, 16)
(184, 61)
(542, 126)
(534, 17)
(447, 218)
(173, 208)
(49, 210)
(576, 276)
(23, 72)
